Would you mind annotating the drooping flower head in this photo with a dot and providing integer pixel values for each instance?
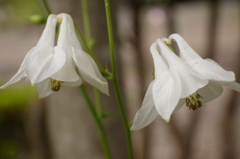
(49, 67)
(186, 79)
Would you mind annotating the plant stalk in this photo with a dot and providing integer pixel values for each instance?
(115, 80)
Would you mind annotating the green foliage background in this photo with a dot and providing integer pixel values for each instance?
(14, 104)
(16, 13)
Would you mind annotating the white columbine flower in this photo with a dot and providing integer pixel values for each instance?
(188, 79)
(206, 69)
(49, 67)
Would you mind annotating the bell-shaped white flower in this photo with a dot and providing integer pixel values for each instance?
(172, 83)
(78, 63)
(43, 60)
(206, 69)
(49, 67)
(177, 81)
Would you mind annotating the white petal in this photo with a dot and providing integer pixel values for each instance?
(17, 77)
(20, 73)
(44, 62)
(166, 94)
(159, 65)
(209, 70)
(189, 83)
(233, 85)
(48, 36)
(44, 88)
(64, 37)
(210, 60)
(210, 92)
(68, 72)
(147, 113)
(181, 102)
(73, 84)
(171, 58)
(186, 52)
(67, 32)
(89, 70)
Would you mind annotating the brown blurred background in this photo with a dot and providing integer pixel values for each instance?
(61, 127)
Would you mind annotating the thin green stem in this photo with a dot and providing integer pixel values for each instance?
(46, 6)
(87, 31)
(98, 103)
(98, 109)
(115, 80)
(98, 122)
(86, 21)
(90, 52)
(82, 39)
(39, 7)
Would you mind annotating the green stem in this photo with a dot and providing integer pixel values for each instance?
(98, 122)
(98, 109)
(90, 52)
(98, 103)
(46, 6)
(39, 7)
(86, 21)
(83, 40)
(87, 30)
(115, 80)
(88, 37)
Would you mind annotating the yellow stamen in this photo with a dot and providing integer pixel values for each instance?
(55, 84)
(193, 101)
(59, 20)
(169, 42)
(167, 120)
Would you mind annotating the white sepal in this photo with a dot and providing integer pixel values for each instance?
(147, 113)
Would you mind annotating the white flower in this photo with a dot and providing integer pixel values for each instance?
(49, 67)
(206, 69)
(188, 79)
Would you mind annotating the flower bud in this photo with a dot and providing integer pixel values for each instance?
(38, 19)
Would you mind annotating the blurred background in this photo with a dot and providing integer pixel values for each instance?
(61, 127)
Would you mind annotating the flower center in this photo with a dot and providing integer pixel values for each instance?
(193, 102)
(55, 84)
(59, 19)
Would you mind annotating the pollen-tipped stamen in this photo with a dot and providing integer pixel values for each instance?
(193, 101)
(59, 20)
(55, 84)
